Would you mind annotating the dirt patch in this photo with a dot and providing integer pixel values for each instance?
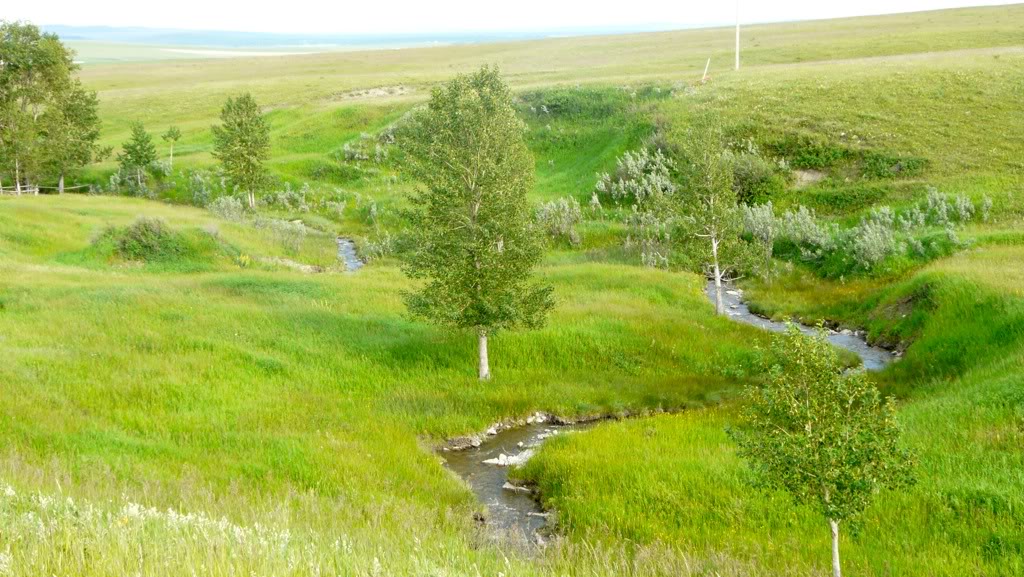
(805, 178)
(379, 92)
(291, 264)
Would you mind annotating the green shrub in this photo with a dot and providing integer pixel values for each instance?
(639, 176)
(755, 179)
(880, 165)
(149, 240)
(806, 151)
(559, 219)
(228, 208)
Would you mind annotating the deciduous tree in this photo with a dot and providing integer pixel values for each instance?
(172, 135)
(706, 206)
(474, 243)
(70, 130)
(823, 434)
(137, 154)
(242, 145)
(35, 68)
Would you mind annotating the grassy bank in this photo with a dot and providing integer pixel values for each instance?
(209, 408)
(677, 479)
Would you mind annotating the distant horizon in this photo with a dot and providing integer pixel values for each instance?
(449, 19)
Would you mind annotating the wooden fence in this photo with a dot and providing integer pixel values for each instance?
(36, 189)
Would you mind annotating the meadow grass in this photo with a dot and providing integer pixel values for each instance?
(677, 479)
(222, 393)
(230, 416)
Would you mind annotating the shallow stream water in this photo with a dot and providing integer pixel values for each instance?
(347, 254)
(513, 510)
(874, 358)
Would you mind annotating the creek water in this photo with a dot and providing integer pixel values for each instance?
(874, 358)
(514, 510)
(347, 254)
(510, 509)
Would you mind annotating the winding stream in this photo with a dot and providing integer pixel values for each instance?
(874, 358)
(347, 254)
(514, 510)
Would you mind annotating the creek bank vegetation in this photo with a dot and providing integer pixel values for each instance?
(823, 434)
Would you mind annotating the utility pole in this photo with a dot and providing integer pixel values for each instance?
(737, 34)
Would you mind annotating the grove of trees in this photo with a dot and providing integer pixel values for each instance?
(49, 126)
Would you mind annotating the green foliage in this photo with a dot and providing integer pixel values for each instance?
(70, 130)
(43, 112)
(560, 218)
(824, 435)
(242, 145)
(172, 135)
(640, 178)
(137, 155)
(755, 179)
(805, 150)
(148, 240)
(474, 242)
(880, 165)
(709, 218)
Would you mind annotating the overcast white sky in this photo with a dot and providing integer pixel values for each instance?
(429, 16)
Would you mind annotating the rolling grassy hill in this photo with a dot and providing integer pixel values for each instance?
(233, 416)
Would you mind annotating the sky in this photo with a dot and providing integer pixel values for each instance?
(434, 16)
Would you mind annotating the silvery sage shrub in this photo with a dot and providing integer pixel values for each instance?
(873, 241)
(559, 218)
(650, 234)
(228, 208)
(802, 229)
(289, 234)
(639, 176)
(760, 223)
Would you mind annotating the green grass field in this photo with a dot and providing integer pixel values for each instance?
(222, 414)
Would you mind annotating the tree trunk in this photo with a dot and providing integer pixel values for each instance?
(719, 307)
(170, 160)
(835, 547)
(17, 177)
(60, 184)
(485, 366)
(138, 176)
(252, 200)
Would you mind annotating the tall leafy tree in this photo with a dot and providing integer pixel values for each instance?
(242, 145)
(70, 130)
(474, 244)
(172, 135)
(821, 433)
(36, 67)
(706, 204)
(138, 154)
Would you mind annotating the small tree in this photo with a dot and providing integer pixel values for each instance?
(474, 242)
(242, 144)
(706, 203)
(137, 154)
(824, 435)
(172, 135)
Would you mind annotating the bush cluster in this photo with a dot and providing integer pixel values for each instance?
(228, 207)
(559, 219)
(639, 176)
(881, 236)
(290, 235)
(147, 240)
